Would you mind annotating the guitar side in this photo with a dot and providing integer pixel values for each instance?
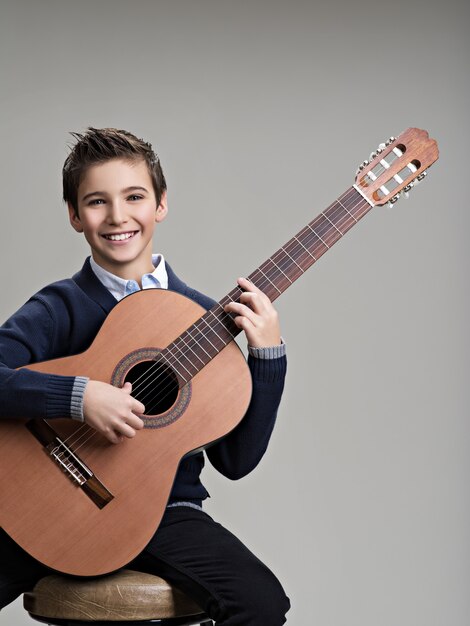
(48, 514)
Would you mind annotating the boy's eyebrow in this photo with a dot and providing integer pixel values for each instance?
(103, 193)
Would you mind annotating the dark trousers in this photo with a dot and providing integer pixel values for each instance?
(191, 551)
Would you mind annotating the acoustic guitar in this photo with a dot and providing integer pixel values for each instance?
(83, 506)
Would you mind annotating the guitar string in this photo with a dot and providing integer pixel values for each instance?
(147, 376)
(337, 205)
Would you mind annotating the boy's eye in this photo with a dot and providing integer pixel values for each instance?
(135, 197)
(95, 201)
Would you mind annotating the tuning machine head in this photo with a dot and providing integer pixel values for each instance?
(380, 149)
(406, 190)
(374, 155)
(362, 166)
(393, 199)
(421, 176)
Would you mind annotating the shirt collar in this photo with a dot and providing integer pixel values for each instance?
(120, 287)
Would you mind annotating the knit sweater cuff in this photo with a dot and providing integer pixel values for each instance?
(268, 370)
(271, 352)
(76, 404)
(59, 391)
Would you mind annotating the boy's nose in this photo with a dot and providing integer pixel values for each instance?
(116, 214)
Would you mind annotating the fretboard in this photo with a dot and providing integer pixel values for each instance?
(202, 341)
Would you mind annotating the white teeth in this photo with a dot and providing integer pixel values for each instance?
(119, 237)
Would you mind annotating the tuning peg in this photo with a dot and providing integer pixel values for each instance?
(374, 155)
(389, 141)
(362, 166)
(380, 149)
(407, 189)
(420, 177)
(392, 200)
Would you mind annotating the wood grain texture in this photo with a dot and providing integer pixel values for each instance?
(419, 146)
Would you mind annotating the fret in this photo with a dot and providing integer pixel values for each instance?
(279, 268)
(292, 259)
(180, 357)
(319, 237)
(286, 263)
(214, 332)
(207, 337)
(225, 328)
(339, 201)
(261, 271)
(307, 251)
(188, 345)
(335, 227)
(173, 365)
(199, 345)
(344, 219)
(202, 341)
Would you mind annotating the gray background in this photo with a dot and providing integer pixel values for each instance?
(261, 112)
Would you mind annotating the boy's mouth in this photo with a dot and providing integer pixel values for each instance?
(119, 236)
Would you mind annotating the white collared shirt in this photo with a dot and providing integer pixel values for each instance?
(120, 287)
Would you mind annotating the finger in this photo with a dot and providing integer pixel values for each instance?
(134, 421)
(255, 297)
(259, 303)
(241, 310)
(244, 324)
(113, 436)
(247, 285)
(127, 387)
(137, 407)
(125, 430)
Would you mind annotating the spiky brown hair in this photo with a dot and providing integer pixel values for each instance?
(98, 145)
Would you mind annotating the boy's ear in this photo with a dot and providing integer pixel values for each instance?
(74, 219)
(162, 208)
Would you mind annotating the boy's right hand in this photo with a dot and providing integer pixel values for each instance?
(112, 411)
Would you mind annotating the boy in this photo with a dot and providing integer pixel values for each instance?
(116, 194)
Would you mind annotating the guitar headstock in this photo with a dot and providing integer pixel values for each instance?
(396, 166)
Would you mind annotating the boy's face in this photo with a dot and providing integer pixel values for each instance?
(117, 212)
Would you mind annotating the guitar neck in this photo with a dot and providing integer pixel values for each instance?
(288, 264)
(202, 341)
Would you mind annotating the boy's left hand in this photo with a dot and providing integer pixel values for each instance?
(256, 316)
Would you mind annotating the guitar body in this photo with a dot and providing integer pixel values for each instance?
(48, 514)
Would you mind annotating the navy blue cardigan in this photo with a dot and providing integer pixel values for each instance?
(63, 319)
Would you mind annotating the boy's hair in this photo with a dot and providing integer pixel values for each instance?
(99, 145)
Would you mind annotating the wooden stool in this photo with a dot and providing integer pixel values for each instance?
(124, 598)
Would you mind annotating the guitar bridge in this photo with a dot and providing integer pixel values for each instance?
(69, 462)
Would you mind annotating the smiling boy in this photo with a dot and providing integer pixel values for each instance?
(116, 194)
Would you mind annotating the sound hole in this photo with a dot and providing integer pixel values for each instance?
(154, 384)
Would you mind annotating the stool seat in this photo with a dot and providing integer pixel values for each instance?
(125, 596)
